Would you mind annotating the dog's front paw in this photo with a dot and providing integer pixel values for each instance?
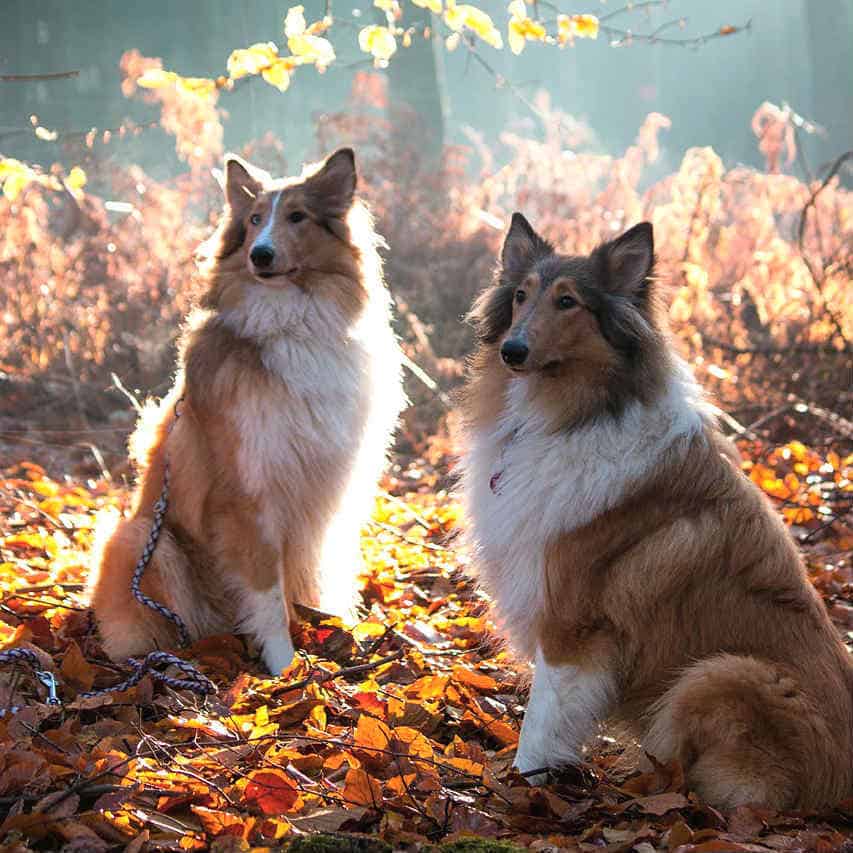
(530, 762)
(535, 778)
(278, 654)
(539, 755)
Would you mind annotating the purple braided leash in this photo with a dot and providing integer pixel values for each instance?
(195, 681)
(160, 507)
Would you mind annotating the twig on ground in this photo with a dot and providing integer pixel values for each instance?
(323, 677)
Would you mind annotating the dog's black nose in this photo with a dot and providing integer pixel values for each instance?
(514, 352)
(262, 256)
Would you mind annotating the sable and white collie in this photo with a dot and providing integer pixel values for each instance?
(629, 558)
(290, 387)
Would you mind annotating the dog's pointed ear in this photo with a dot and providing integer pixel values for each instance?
(243, 182)
(630, 261)
(331, 189)
(522, 246)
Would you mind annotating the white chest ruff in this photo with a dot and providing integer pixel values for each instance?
(524, 485)
(317, 414)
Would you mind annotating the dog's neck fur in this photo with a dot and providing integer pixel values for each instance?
(264, 313)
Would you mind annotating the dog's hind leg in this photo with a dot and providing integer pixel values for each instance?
(745, 732)
(128, 627)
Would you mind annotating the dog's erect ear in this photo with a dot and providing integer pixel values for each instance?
(630, 259)
(331, 188)
(522, 246)
(243, 182)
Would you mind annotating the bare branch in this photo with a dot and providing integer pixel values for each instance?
(801, 233)
(52, 75)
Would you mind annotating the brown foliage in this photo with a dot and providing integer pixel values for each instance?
(404, 725)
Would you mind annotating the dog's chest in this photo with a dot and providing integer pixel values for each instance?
(526, 485)
(304, 420)
(524, 488)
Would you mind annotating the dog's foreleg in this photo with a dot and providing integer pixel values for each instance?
(566, 705)
(264, 617)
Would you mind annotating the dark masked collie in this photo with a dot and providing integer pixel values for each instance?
(290, 388)
(648, 580)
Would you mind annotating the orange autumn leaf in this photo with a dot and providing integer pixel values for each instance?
(76, 669)
(360, 788)
(477, 680)
(272, 791)
(372, 733)
(217, 822)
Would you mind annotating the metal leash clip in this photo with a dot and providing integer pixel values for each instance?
(49, 681)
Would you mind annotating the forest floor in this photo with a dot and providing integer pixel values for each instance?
(399, 730)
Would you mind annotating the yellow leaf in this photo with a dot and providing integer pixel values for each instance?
(320, 26)
(365, 630)
(156, 78)
(522, 28)
(570, 27)
(318, 716)
(13, 185)
(432, 5)
(278, 74)
(391, 6)
(377, 41)
(474, 19)
(200, 86)
(10, 166)
(798, 450)
(76, 179)
(252, 60)
(313, 49)
(294, 23)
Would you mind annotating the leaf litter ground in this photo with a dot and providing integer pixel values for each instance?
(400, 729)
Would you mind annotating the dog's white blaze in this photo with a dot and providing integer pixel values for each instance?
(263, 616)
(263, 236)
(565, 707)
(344, 401)
(548, 483)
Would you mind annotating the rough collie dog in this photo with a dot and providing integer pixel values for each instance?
(629, 558)
(289, 387)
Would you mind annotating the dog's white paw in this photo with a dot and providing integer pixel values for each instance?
(278, 653)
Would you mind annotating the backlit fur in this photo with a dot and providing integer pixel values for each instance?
(628, 557)
(291, 387)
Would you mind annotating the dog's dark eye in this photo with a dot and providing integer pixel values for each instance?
(296, 216)
(520, 296)
(565, 302)
(255, 219)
